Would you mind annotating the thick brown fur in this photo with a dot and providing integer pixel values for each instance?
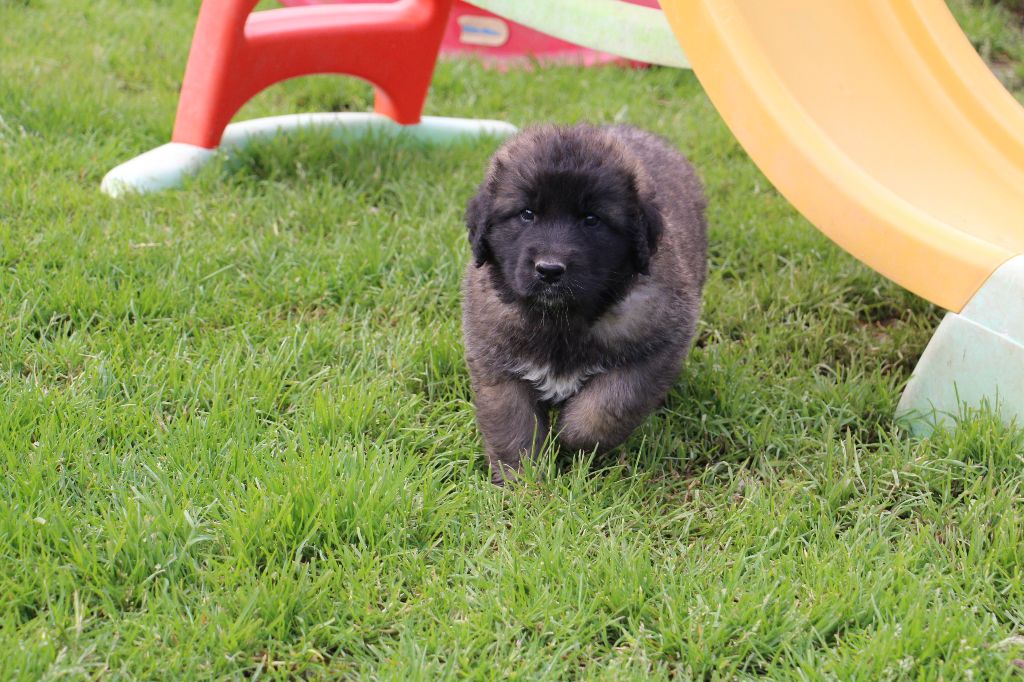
(589, 257)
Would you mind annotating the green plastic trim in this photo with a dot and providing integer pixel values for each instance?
(621, 28)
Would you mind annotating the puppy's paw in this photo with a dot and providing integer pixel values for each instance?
(503, 474)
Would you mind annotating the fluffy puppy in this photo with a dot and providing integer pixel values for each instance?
(589, 256)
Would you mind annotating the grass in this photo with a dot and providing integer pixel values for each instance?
(994, 28)
(237, 437)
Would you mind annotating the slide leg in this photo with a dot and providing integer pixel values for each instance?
(975, 357)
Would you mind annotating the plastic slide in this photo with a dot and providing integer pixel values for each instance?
(880, 123)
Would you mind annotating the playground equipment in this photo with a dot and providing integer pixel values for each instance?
(394, 45)
(237, 52)
(876, 119)
(880, 123)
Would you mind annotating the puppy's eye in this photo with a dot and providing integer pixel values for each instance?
(526, 215)
(590, 220)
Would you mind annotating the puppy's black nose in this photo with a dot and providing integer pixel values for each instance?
(550, 272)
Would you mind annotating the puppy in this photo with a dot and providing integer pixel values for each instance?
(589, 256)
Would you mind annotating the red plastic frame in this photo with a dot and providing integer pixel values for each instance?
(237, 52)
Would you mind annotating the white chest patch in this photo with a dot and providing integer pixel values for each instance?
(554, 387)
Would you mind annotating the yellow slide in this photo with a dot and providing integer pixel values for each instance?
(879, 122)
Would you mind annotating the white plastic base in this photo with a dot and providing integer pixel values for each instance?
(975, 356)
(167, 165)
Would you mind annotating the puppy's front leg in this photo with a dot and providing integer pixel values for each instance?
(513, 426)
(611, 405)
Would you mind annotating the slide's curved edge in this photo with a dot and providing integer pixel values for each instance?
(620, 28)
(864, 216)
(984, 100)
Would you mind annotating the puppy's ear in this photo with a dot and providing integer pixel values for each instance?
(649, 226)
(478, 217)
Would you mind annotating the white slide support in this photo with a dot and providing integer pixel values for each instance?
(976, 356)
(168, 165)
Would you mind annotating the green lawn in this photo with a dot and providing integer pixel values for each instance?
(237, 438)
